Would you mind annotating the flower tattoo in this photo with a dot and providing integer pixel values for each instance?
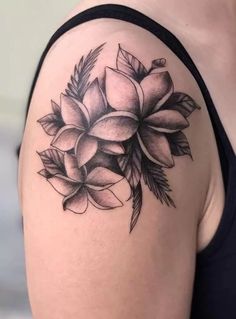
(126, 125)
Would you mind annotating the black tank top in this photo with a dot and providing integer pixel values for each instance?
(214, 294)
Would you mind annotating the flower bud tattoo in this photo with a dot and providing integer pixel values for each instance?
(129, 127)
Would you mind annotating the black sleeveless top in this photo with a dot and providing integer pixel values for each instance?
(214, 294)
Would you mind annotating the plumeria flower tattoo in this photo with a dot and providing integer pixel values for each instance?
(79, 118)
(79, 188)
(144, 105)
(129, 124)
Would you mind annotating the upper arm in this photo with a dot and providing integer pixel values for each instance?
(126, 148)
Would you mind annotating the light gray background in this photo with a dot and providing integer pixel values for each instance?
(25, 28)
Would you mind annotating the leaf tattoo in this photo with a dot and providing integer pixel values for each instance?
(132, 128)
(130, 163)
(80, 79)
(52, 122)
(137, 205)
(155, 178)
(179, 144)
(130, 65)
(53, 162)
(181, 102)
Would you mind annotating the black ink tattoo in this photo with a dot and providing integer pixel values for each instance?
(130, 129)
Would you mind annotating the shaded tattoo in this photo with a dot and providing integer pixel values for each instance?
(131, 128)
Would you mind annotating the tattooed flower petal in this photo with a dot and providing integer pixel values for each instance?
(155, 86)
(63, 184)
(112, 148)
(86, 147)
(77, 202)
(95, 101)
(123, 93)
(155, 146)
(168, 121)
(104, 199)
(72, 170)
(101, 176)
(116, 126)
(66, 138)
(73, 112)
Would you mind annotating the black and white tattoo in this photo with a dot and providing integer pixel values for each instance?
(126, 125)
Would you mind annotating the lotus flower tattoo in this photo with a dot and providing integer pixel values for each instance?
(132, 118)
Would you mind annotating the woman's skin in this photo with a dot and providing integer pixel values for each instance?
(88, 266)
(207, 29)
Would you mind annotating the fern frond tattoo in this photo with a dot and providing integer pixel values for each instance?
(79, 81)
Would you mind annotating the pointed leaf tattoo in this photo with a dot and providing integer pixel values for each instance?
(56, 108)
(130, 65)
(127, 123)
(181, 102)
(179, 144)
(51, 123)
(53, 161)
(137, 205)
(130, 163)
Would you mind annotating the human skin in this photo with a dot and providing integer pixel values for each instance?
(88, 265)
(200, 30)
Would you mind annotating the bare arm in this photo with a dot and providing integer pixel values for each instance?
(111, 219)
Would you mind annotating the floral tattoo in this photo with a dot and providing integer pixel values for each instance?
(126, 125)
